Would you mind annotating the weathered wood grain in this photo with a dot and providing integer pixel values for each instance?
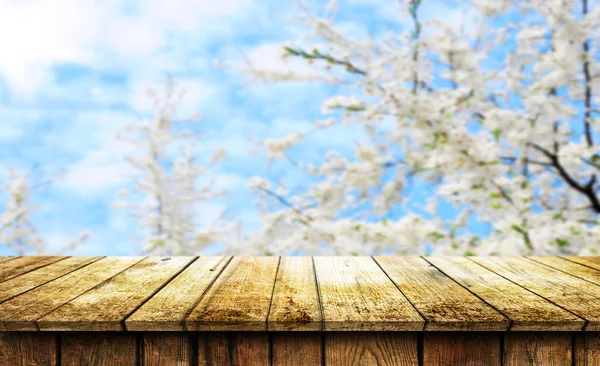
(529, 312)
(233, 348)
(28, 349)
(106, 306)
(98, 348)
(461, 348)
(13, 268)
(593, 262)
(572, 293)
(168, 349)
(7, 258)
(239, 299)
(21, 312)
(445, 304)
(357, 295)
(538, 348)
(574, 269)
(33, 279)
(587, 349)
(167, 309)
(371, 348)
(295, 302)
(291, 348)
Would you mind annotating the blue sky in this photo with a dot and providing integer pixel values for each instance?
(73, 72)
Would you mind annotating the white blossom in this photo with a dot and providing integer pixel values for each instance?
(505, 144)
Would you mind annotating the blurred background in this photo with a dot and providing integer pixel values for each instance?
(157, 127)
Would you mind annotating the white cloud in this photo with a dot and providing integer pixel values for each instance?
(96, 172)
(35, 34)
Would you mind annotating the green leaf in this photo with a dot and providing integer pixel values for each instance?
(517, 229)
(469, 253)
(497, 132)
(436, 236)
(355, 108)
(292, 51)
(562, 243)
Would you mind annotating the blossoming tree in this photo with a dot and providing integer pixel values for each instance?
(17, 231)
(500, 122)
(168, 180)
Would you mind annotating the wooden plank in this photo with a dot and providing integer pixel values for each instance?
(295, 304)
(30, 280)
(357, 295)
(461, 348)
(233, 348)
(27, 348)
(168, 349)
(239, 299)
(21, 312)
(538, 348)
(445, 304)
(7, 258)
(104, 307)
(98, 349)
(587, 349)
(371, 348)
(288, 348)
(18, 266)
(571, 293)
(528, 311)
(593, 262)
(167, 309)
(574, 269)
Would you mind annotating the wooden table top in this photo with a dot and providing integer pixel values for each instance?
(299, 293)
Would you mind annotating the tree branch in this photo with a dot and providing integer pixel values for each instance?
(588, 88)
(587, 189)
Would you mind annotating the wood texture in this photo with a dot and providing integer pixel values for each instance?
(27, 348)
(107, 305)
(98, 349)
(295, 302)
(167, 309)
(572, 268)
(288, 348)
(233, 348)
(445, 304)
(461, 348)
(593, 262)
(527, 311)
(239, 299)
(547, 348)
(371, 348)
(587, 349)
(357, 295)
(574, 294)
(168, 349)
(33, 279)
(21, 312)
(7, 258)
(300, 293)
(13, 268)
